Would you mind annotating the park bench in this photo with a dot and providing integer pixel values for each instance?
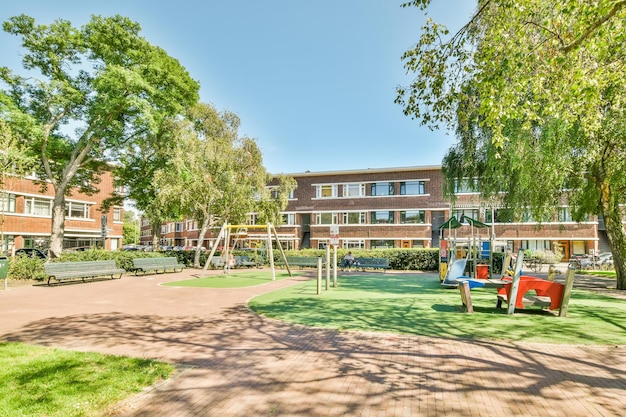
(87, 269)
(372, 263)
(217, 262)
(302, 261)
(244, 261)
(156, 265)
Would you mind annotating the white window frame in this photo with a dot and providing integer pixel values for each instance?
(319, 190)
(32, 206)
(353, 244)
(7, 202)
(289, 219)
(117, 214)
(354, 189)
(334, 217)
(361, 214)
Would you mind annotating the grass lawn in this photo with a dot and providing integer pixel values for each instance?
(42, 381)
(233, 280)
(418, 305)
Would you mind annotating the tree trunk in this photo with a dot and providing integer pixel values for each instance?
(615, 234)
(201, 235)
(58, 223)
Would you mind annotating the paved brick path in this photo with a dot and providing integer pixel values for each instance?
(234, 363)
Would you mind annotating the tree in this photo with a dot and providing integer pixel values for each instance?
(535, 91)
(90, 92)
(137, 167)
(131, 231)
(212, 175)
(15, 162)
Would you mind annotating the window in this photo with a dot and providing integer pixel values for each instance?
(382, 188)
(353, 244)
(357, 217)
(326, 191)
(466, 185)
(326, 218)
(564, 215)
(353, 190)
(275, 190)
(412, 188)
(472, 213)
(381, 244)
(7, 203)
(382, 217)
(179, 227)
(77, 210)
(413, 217)
(38, 206)
(117, 214)
(251, 219)
(503, 216)
(289, 219)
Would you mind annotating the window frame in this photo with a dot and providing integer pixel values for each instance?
(34, 204)
(375, 220)
(421, 214)
(319, 190)
(347, 187)
(361, 215)
(385, 186)
(420, 184)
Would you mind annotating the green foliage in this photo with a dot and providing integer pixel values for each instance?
(399, 259)
(42, 381)
(104, 79)
(535, 91)
(24, 267)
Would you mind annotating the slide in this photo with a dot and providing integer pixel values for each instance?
(455, 271)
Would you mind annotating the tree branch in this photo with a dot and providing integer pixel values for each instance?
(594, 26)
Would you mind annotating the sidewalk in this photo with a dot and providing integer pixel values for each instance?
(234, 363)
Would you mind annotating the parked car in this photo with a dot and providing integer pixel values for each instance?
(31, 252)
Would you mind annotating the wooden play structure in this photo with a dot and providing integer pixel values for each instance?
(523, 291)
(225, 235)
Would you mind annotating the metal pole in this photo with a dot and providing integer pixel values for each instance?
(319, 275)
(335, 266)
(327, 267)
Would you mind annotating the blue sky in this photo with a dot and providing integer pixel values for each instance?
(312, 81)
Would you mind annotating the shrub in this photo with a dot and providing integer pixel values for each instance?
(399, 259)
(25, 267)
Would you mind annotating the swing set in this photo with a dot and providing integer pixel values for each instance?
(226, 234)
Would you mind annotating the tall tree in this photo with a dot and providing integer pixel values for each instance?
(87, 93)
(213, 175)
(15, 162)
(536, 92)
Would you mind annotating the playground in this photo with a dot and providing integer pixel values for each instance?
(408, 348)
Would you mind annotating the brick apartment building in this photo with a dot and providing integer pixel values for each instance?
(27, 216)
(399, 208)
